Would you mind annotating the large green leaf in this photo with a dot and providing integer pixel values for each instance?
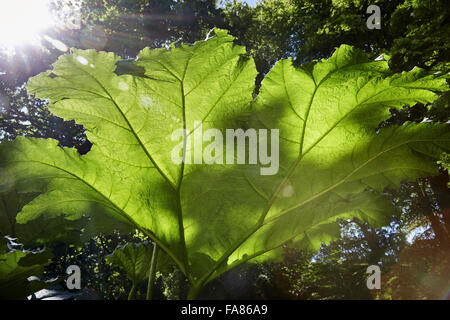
(133, 259)
(333, 161)
(43, 230)
(3, 245)
(19, 271)
(11, 202)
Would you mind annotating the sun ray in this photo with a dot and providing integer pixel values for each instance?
(23, 22)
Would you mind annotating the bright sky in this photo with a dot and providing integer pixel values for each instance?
(21, 21)
(25, 22)
(251, 3)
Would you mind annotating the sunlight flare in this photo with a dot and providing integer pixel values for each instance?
(23, 21)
